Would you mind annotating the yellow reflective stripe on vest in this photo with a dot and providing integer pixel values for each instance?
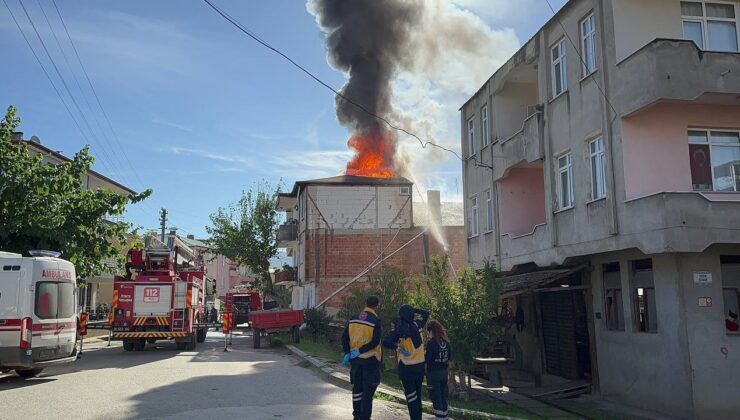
(417, 354)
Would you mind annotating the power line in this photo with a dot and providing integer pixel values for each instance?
(583, 61)
(46, 73)
(64, 83)
(238, 25)
(97, 98)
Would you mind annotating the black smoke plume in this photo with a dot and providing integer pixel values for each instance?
(369, 40)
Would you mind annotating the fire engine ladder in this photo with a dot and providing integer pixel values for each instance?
(180, 306)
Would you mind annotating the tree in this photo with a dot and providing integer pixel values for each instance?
(389, 284)
(246, 233)
(48, 207)
(468, 308)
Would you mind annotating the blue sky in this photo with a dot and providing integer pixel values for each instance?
(202, 112)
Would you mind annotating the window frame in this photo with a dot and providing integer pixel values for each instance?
(474, 217)
(489, 210)
(600, 155)
(404, 190)
(585, 71)
(471, 136)
(635, 295)
(569, 169)
(605, 290)
(562, 60)
(704, 19)
(486, 140)
(709, 144)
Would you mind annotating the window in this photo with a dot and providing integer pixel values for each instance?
(559, 69)
(484, 126)
(613, 304)
(646, 317)
(714, 156)
(565, 182)
(54, 300)
(489, 211)
(598, 178)
(731, 292)
(474, 216)
(712, 26)
(405, 191)
(588, 44)
(471, 137)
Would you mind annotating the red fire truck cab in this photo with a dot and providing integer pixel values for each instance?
(240, 304)
(159, 299)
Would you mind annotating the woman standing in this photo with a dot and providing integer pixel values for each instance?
(437, 357)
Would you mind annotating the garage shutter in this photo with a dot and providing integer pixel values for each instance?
(558, 330)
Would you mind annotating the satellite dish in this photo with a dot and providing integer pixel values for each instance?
(35, 139)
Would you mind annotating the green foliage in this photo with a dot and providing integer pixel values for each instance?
(246, 233)
(317, 322)
(468, 308)
(389, 284)
(48, 207)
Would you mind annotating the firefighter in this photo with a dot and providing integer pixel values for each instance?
(437, 356)
(361, 345)
(406, 340)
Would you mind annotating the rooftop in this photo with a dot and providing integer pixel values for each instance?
(453, 214)
(347, 180)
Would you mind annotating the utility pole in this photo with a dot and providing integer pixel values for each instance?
(163, 222)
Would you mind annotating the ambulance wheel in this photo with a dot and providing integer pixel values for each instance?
(128, 345)
(296, 335)
(28, 373)
(257, 335)
(202, 335)
(190, 344)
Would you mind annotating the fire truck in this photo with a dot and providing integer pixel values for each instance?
(161, 297)
(37, 312)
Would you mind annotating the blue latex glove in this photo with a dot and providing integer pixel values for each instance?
(354, 354)
(404, 352)
(345, 359)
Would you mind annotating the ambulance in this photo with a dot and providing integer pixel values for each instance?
(38, 319)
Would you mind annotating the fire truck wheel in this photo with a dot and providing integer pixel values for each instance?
(181, 345)
(28, 373)
(257, 336)
(190, 344)
(139, 345)
(128, 345)
(151, 340)
(202, 335)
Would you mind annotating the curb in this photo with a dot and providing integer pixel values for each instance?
(341, 380)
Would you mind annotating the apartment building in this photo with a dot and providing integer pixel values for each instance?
(602, 175)
(338, 227)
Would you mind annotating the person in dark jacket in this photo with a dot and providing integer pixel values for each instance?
(437, 356)
(407, 341)
(361, 345)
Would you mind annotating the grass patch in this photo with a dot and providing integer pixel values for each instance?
(333, 351)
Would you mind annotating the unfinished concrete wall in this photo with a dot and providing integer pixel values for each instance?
(645, 369)
(358, 207)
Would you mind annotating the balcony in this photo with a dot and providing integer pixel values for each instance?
(527, 145)
(287, 235)
(675, 70)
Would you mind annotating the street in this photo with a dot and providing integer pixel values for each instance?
(161, 382)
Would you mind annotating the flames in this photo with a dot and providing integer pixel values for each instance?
(374, 153)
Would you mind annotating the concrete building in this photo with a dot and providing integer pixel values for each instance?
(602, 174)
(99, 289)
(337, 227)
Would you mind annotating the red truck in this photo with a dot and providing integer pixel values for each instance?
(159, 299)
(246, 307)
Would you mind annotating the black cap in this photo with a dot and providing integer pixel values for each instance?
(372, 302)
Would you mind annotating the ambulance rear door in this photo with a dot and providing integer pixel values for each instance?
(53, 308)
(10, 285)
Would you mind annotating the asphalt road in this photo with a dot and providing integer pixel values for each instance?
(161, 382)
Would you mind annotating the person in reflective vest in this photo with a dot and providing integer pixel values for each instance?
(361, 345)
(406, 340)
(437, 356)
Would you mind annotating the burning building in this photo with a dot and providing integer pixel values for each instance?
(337, 227)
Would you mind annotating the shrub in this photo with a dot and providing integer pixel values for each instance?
(317, 322)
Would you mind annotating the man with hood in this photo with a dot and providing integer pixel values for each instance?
(406, 340)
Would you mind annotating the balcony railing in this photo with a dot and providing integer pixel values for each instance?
(287, 233)
(674, 70)
(527, 145)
